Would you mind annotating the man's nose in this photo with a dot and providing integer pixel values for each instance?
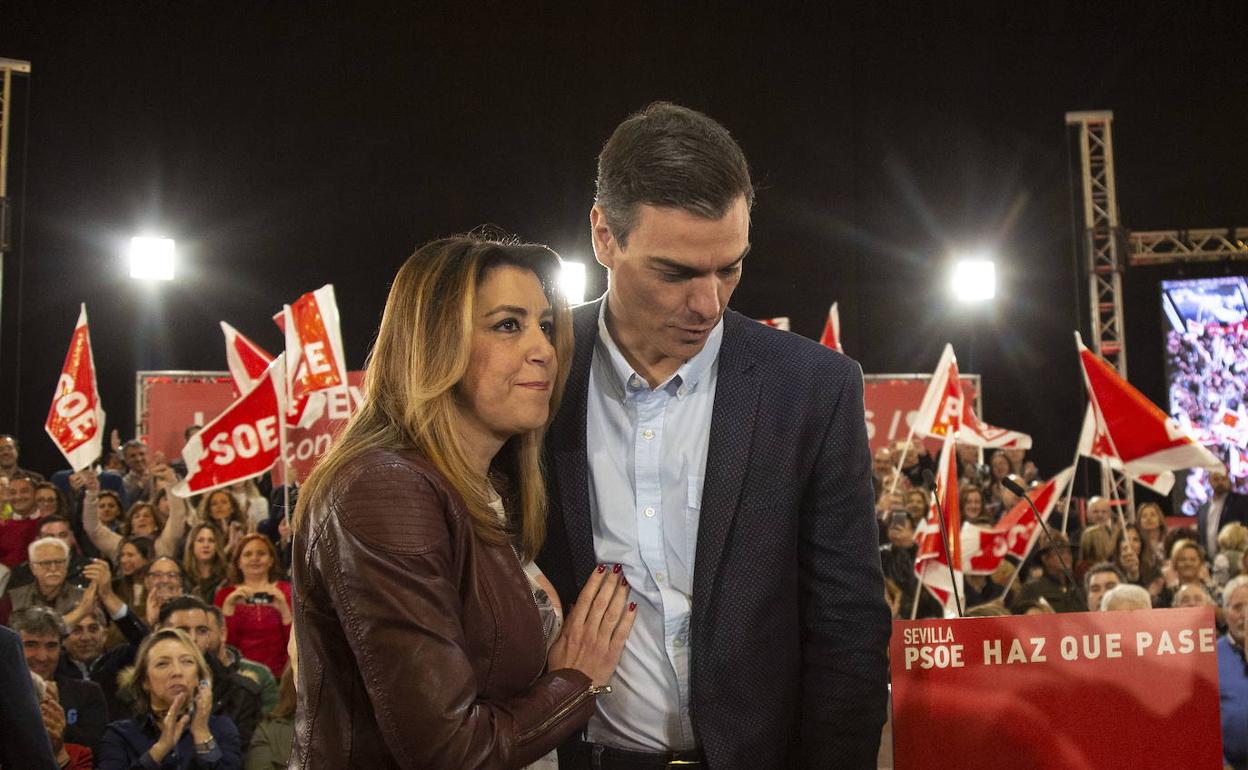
(704, 297)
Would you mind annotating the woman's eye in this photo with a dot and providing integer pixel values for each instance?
(548, 328)
(507, 325)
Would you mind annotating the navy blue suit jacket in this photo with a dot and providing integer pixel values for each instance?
(790, 627)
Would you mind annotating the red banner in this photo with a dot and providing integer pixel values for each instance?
(76, 418)
(893, 403)
(1072, 691)
(242, 442)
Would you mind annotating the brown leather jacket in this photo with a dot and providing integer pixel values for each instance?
(420, 646)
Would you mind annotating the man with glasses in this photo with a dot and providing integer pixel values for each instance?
(49, 563)
(162, 583)
(59, 527)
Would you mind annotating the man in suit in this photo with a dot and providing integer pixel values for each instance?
(725, 466)
(1222, 508)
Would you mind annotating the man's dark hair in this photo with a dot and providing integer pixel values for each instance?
(178, 604)
(38, 620)
(674, 157)
(133, 443)
(1097, 569)
(215, 612)
(54, 518)
(11, 437)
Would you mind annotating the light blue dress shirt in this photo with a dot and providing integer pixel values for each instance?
(647, 460)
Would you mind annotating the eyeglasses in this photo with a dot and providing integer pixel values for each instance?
(50, 564)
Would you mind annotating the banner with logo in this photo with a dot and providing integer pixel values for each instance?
(1076, 691)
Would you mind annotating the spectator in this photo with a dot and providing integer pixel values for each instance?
(1233, 675)
(86, 652)
(1099, 512)
(49, 562)
(133, 558)
(1036, 606)
(256, 603)
(108, 510)
(235, 663)
(41, 631)
(1025, 469)
(971, 504)
(203, 561)
(1135, 562)
(1152, 523)
(1095, 546)
(1193, 595)
(270, 746)
(1232, 544)
(1053, 584)
(54, 525)
(141, 519)
(1099, 580)
(70, 756)
(1222, 507)
(22, 527)
(971, 470)
(1187, 565)
(915, 460)
(998, 496)
(897, 560)
(881, 467)
(50, 501)
(163, 685)
(917, 504)
(233, 695)
(254, 505)
(164, 581)
(222, 509)
(113, 463)
(138, 479)
(1126, 596)
(9, 450)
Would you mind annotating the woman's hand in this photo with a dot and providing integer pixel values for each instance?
(171, 729)
(279, 602)
(85, 605)
(203, 709)
(90, 482)
(239, 594)
(163, 476)
(593, 634)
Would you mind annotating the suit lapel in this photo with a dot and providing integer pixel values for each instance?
(727, 455)
(566, 441)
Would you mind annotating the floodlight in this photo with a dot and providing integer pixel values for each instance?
(151, 259)
(974, 280)
(572, 281)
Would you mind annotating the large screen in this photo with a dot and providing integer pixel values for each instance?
(1206, 327)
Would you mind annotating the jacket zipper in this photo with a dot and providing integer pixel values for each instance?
(558, 716)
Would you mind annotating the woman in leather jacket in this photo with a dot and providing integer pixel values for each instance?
(426, 636)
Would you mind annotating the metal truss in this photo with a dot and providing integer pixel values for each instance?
(1163, 247)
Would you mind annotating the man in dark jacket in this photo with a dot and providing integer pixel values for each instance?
(23, 741)
(233, 695)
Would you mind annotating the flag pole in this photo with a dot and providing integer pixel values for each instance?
(1070, 490)
(1013, 578)
(285, 462)
(897, 471)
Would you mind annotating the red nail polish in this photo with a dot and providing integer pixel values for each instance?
(632, 606)
(602, 567)
(623, 580)
(618, 567)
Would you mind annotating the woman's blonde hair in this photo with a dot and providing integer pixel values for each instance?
(420, 356)
(1096, 544)
(133, 680)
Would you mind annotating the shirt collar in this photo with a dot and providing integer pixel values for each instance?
(623, 380)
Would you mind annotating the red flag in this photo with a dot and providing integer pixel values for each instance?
(76, 418)
(930, 563)
(983, 550)
(946, 411)
(779, 322)
(243, 441)
(1094, 443)
(314, 353)
(246, 359)
(1139, 434)
(831, 337)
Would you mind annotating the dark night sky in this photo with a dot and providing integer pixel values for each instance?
(323, 141)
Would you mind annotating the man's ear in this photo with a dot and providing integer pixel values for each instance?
(603, 239)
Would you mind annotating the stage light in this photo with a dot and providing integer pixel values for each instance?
(151, 259)
(974, 279)
(572, 281)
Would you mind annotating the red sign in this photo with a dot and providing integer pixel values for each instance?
(1078, 690)
(893, 403)
(76, 418)
(172, 403)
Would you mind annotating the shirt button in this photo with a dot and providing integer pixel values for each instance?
(647, 434)
(658, 577)
(678, 642)
(682, 391)
(649, 513)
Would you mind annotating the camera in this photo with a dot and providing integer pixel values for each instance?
(260, 597)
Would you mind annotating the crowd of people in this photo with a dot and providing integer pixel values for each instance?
(1110, 557)
(131, 604)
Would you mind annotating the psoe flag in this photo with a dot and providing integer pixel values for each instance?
(314, 354)
(246, 359)
(779, 322)
(945, 411)
(76, 418)
(1136, 430)
(243, 441)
